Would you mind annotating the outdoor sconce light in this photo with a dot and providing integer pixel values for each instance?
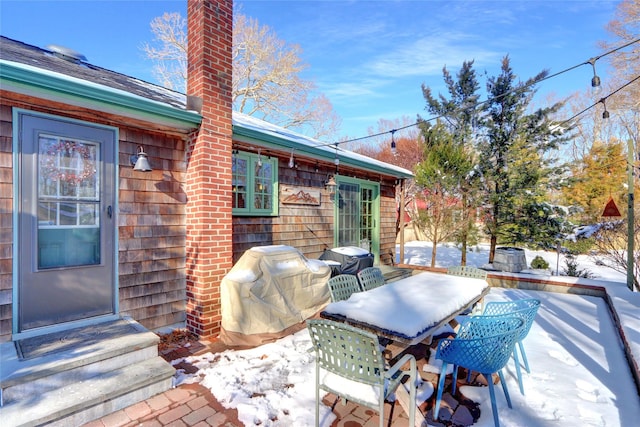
(140, 162)
(330, 186)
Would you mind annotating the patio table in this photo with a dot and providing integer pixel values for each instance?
(408, 311)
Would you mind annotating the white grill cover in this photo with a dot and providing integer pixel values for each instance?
(270, 289)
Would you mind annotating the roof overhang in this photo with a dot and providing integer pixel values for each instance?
(36, 82)
(303, 146)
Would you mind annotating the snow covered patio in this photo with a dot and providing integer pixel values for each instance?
(580, 375)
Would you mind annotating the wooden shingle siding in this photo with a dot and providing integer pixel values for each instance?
(6, 223)
(152, 232)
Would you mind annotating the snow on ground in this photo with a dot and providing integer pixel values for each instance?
(579, 374)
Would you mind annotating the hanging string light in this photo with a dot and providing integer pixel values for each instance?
(595, 80)
(605, 113)
(595, 85)
(259, 158)
(393, 142)
(292, 163)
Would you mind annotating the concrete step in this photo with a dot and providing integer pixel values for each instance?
(80, 402)
(24, 378)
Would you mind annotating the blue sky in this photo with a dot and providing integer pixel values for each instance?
(368, 57)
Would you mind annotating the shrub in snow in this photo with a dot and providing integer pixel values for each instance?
(571, 268)
(539, 263)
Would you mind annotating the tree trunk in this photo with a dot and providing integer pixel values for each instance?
(492, 248)
(465, 230)
(433, 254)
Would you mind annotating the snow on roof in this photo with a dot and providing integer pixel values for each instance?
(258, 125)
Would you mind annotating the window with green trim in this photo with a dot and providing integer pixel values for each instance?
(255, 185)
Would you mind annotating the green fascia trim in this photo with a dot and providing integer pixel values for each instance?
(270, 141)
(36, 82)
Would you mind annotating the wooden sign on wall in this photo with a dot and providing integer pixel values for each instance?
(299, 196)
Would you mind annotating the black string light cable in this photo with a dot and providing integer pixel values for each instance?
(595, 83)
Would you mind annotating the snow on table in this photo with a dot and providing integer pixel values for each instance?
(410, 309)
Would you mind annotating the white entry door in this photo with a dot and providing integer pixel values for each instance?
(66, 223)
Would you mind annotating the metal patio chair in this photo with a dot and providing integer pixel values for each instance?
(350, 364)
(474, 273)
(483, 344)
(342, 286)
(526, 309)
(370, 278)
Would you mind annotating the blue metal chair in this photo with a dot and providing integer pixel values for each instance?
(483, 344)
(342, 286)
(370, 277)
(350, 364)
(525, 309)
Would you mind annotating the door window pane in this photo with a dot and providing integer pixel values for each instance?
(348, 214)
(68, 203)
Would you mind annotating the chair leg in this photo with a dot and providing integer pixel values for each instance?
(317, 406)
(524, 357)
(504, 388)
(412, 400)
(443, 374)
(492, 393)
(317, 397)
(454, 379)
(518, 371)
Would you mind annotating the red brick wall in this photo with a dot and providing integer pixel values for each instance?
(208, 177)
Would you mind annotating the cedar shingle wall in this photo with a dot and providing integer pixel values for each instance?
(6, 222)
(151, 230)
(306, 227)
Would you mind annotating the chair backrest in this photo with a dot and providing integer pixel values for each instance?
(525, 309)
(482, 344)
(342, 286)
(370, 277)
(347, 351)
(466, 271)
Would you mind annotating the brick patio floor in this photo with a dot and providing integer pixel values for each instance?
(194, 405)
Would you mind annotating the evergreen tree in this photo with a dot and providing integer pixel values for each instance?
(516, 168)
(439, 177)
(459, 111)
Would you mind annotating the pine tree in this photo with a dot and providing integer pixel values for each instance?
(459, 112)
(516, 171)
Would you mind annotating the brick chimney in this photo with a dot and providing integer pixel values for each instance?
(208, 176)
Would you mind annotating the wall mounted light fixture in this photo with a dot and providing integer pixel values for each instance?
(330, 185)
(140, 162)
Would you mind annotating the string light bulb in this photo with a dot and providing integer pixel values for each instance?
(292, 163)
(595, 80)
(259, 158)
(393, 142)
(605, 113)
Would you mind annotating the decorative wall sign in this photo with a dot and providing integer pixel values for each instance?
(299, 196)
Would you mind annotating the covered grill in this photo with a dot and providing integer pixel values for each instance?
(268, 291)
(347, 259)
